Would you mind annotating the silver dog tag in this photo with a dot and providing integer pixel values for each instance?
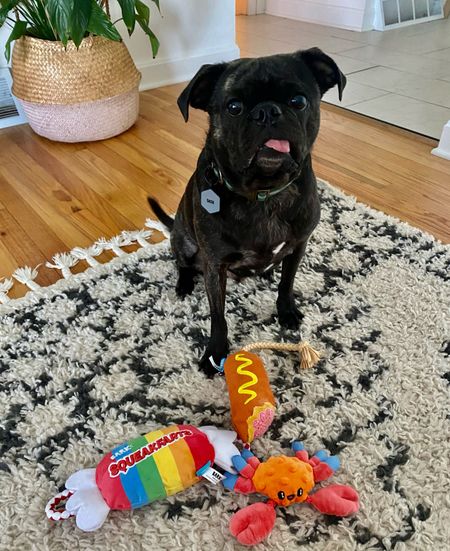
(210, 201)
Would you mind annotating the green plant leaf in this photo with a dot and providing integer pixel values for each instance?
(153, 40)
(101, 25)
(79, 20)
(17, 31)
(38, 32)
(59, 13)
(156, 2)
(33, 11)
(7, 6)
(128, 15)
(143, 11)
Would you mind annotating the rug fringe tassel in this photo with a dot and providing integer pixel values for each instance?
(114, 244)
(65, 261)
(27, 275)
(88, 254)
(138, 236)
(5, 286)
(156, 225)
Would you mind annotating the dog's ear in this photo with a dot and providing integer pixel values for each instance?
(324, 69)
(199, 91)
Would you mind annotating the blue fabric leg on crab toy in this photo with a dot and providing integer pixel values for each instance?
(297, 446)
(245, 464)
(331, 460)
(323, 464)
(230, 480)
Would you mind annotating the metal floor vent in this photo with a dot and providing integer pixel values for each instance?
(10, 111)
(391, 14)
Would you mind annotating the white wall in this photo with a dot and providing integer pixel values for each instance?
(4, 32)
(191, 32)
(346, 14)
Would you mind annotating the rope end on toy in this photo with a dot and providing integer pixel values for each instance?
(309, 356)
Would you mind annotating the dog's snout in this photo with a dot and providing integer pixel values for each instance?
(266, 113)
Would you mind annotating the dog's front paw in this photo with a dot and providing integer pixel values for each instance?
(289, 316)
(184, 287)
(211, 362)
(186, 282)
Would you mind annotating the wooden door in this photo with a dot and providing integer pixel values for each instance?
(241, 7)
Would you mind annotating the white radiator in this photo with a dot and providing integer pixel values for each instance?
(11, 113)
(391, 14)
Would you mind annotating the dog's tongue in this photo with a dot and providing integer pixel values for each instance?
(279, 145)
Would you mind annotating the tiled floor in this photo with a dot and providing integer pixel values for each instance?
(400, 76)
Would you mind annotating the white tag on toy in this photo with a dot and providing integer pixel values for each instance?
(213, 476)
(210, 201)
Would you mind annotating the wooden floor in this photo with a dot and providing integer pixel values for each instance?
(54, 197)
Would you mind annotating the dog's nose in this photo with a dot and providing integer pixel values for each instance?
(291, 497)
(266, 113)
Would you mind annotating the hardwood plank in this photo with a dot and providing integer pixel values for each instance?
(30, 221)
(73, 223)
(51, 157)
(20, 246)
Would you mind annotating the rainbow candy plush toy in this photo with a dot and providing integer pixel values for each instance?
(143, 470)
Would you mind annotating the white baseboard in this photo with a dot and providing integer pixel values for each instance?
(443, 149)
(349, 16)
(162, 72)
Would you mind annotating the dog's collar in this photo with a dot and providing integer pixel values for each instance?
(213, 175)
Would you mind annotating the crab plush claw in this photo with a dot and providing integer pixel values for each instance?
(336, 500)
(253, 524)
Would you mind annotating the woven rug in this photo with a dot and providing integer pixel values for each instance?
(110, 353)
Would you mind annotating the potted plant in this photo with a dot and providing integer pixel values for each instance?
(71, 71)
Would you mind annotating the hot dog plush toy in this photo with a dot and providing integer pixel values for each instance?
(251, 399)
(145, 469)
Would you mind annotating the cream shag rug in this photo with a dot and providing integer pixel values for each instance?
(111, 353)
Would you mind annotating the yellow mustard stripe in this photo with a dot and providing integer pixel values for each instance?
(244, 388)
(166, 464)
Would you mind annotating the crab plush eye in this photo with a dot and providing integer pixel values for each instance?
(281, 495)
(300, 492)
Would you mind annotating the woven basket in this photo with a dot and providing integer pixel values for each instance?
(72, 95)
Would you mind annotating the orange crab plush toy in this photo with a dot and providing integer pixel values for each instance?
(285, 481)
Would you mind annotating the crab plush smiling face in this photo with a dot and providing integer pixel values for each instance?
(285, 480)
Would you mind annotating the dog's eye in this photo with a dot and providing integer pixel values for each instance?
(235, 107)
(299, 102)
(300, 492)
(281, 495)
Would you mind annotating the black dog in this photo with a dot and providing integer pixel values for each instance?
(252, 201)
